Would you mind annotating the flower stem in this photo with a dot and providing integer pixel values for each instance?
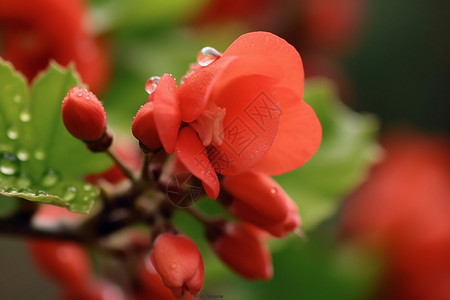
(198, 215)
(126, 171)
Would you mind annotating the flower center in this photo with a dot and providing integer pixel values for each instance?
(209, 125)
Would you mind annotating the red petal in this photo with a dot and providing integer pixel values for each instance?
(274, 49)
(144, 127)
(193, 155)
(193, 94)
(167, 112)
(250, 124)
(298, 138)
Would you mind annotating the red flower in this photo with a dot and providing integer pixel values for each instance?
(403, 210)
(179, 263)
(245, 111)
(83, 115)
(34, 32)
(241, 248)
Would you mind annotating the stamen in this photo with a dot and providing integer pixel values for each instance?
(209, 125)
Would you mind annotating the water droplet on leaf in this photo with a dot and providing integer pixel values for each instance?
(70, 193)
(207, 56)
(17, 99)
(39, 154)
(25, 116)
(23, 155)
(8, 164)
(151, 84)
(50, 178)
(12, 133)
(23, 182)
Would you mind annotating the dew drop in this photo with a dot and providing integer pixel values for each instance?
(151, 84)
(207, 56)
(8, 164)
(25, 116)
(50, 178)
(85, 198)
(17, 99)
(23, 182)
(87, 187)
(23, 155)
(11, 190)
(39, 154)
(273, 191)
(174, 266)
(12, 133)
(70, 193)
(41, 193)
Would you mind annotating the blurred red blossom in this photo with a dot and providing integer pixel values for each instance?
(403, 210)
(30, 39)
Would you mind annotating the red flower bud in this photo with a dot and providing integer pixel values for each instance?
(179, 263)
(83, 115)
(144, 126)
(257, 198)
(242, 250)
(64, 262)
(152, 286)
(289, 224)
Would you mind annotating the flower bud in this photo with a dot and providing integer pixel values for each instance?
(151, 285)
(179, 263)
(257, 198)
(83, 114)
(289, 224)
(144, 127)
(241, 249)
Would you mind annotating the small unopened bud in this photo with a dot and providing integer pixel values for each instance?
(179, 263)
(144, 127)
(83, 115)
(243, 251)
(256, 198)
(151, 285)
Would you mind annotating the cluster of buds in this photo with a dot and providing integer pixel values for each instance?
(236, 119)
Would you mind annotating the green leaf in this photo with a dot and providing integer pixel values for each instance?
(39, 160)
(348, 149)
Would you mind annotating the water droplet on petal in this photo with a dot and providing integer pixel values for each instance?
(25, 116)
(151, 84)
(8, 164)
(12, 133)
(273, 191)
(174, 266)
(50, 178)
(207, 56)
(23, 155)
(70, 193)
